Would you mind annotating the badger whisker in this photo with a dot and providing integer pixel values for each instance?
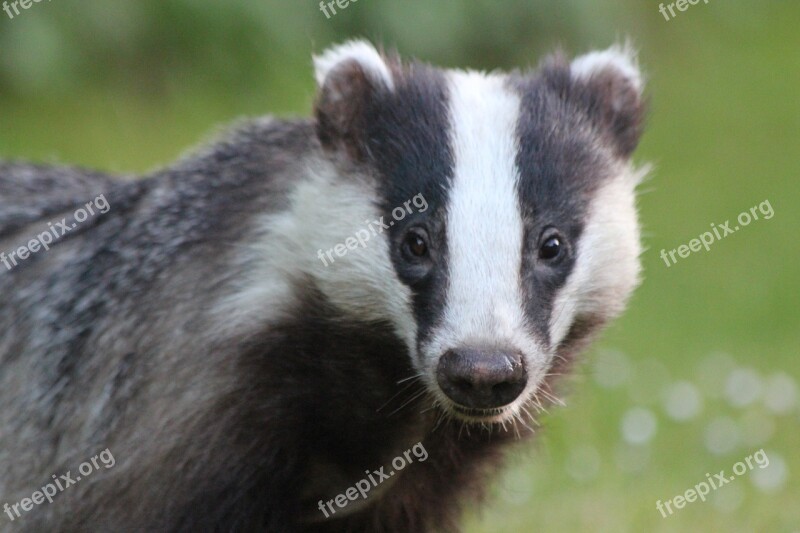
(414, 397)
(553, 398)
(398, 393)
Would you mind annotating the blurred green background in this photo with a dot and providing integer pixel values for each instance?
(701, 372)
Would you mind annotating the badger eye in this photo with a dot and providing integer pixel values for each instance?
(551, 247)
(415, 245)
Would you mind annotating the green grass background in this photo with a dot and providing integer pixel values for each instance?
(126, 87)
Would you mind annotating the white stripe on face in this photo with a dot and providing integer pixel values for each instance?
(484, 226)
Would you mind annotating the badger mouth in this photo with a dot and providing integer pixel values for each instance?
(481, 415)
(514, 420)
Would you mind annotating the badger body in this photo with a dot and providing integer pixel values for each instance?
(244, 371)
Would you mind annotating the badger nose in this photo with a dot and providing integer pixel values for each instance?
(481, 379)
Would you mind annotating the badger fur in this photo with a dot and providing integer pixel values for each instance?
(242, 374)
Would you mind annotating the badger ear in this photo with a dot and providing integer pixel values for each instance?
(352, 77)
(611, 85)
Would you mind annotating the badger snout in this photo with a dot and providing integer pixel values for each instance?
(481, 378)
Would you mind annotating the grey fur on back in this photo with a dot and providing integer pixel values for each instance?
(93, 330)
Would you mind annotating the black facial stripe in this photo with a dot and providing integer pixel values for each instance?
(409, 145)
(560, 168)
(409, 138)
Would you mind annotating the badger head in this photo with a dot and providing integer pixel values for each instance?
(528, 240)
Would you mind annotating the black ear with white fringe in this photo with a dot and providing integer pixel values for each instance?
(352, 77)
(611, 87)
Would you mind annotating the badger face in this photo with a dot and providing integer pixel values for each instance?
(529, 240)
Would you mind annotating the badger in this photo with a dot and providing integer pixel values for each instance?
(254, 331)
